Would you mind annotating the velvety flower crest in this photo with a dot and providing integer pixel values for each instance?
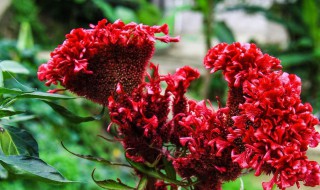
(266, 116)
(239, 62)
(91, 62)
(264, 126)
(143, 116)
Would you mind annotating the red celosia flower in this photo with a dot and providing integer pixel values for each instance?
(279, 130)
(91, 62)
(267, 124)
(142, 116)
(209, 152)
(240, 62)
(264, 125)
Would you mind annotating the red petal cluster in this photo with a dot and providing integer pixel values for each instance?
(264, 125)
(209, 152)
(91, 62)
(142, 116)
(266, 115)
(240, 62)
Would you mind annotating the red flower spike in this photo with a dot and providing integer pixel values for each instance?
(268, 128)
(91, 62)
(240, 62)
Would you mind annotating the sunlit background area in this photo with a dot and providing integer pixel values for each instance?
(31, 29)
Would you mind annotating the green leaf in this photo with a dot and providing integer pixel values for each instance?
(25, 39)
(7, 144)
(1, 78)
(32, 168)
(241, 184)
(3, 173)
(4, 90)
(13, 67)
(44, 96)
(19, 118)
(111, 184)
(293, 59)
(127, 15)
(95, 159)
(152, 172)
(149, 14)
(71, 116)
(7, 113)
(143, 183)
(33, 94)
(23, 141)
(223, 33)
(168, 167)
(106, 9)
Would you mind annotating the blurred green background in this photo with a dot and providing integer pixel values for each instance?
(30, 29)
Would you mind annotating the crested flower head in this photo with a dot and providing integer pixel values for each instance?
(268, 126)
(91, 62)
(239, 62)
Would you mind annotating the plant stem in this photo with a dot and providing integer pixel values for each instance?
(150, 183)
(207, 22)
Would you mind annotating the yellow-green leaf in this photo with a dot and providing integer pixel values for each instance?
(7, 144)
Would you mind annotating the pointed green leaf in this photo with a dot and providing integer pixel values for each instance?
(44, 96)
(25, 39)
(152, 172)
(95, 159)
(241, 184)
(106, 9)
(111, 184)
(293, 59)
(71, 116)
(4, 90)
(32, 168)
(127, 15)
(13, 67)
(143, 183)
(3, 173)
(7, 144)
(168, 167)
(223, 33)
(7, 113)
(1, 78)
(23, 141)
(33, 94)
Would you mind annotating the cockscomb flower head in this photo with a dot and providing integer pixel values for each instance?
(143, 117)
(239, 62)
(209, 152)
(91, 62)
(264, 125)
(268, 125)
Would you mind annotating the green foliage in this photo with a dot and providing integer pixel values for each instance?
(19, 154)
(95, 159)
(153, 173)
(26, 11)
(223, 32)
(71, 116)
(32, 168)
(6, 143)
(148, 13)
(25, 39)
(111, 184)
(13, 67)
(16, 141)
(140, 11)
